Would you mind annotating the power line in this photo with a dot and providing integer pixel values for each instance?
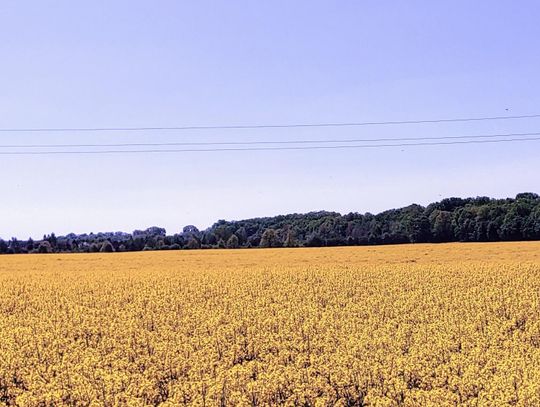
(265, 126)
(264, 148)
(212, 143)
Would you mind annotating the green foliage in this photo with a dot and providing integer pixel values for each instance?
(290, 241)
(269, 238)
(107, 247)
(453, 219)
(193, 244)
(233, 242)
(44, 247)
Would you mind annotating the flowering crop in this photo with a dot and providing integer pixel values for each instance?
(411, 325)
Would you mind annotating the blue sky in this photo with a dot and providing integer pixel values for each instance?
(174, 63)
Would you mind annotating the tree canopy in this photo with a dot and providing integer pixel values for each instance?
(479, 219)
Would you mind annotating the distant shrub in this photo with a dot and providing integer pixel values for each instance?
(106, 247)
(45, 247)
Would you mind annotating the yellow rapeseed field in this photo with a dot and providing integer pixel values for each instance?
(411, 325)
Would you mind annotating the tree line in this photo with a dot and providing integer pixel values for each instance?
(479, 219)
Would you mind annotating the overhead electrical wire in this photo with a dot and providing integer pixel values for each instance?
(310, 144)
(96, 152)
(211, 143)
(265, 126)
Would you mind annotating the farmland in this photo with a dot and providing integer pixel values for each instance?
(452, 324)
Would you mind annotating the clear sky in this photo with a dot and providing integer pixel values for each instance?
(174, 63)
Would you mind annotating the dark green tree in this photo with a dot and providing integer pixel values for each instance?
(193, 244)
(107, 247)
(233, 243)
(269, 238)
(45, 247)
